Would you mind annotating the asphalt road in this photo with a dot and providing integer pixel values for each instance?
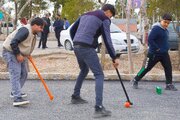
(147, 104)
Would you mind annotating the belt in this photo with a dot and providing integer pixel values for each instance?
(81, 46)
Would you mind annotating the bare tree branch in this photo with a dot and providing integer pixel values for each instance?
(4, 11)
(20, 12)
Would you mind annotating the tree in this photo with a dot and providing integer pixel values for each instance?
(102, 47)
(72, 11)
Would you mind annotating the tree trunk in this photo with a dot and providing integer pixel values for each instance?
(131, 68)
(179, 46)
(20, 12)
(103, 54)
(103, 48)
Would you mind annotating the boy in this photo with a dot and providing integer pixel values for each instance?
(158, 52)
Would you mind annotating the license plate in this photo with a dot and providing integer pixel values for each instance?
(132, 48)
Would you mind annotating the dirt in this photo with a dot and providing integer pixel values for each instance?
(66, 63)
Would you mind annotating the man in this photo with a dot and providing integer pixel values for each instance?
(66, 23)
(44, 34)
(16, 48)
(158, 52)
(85, 33)
(58, 27)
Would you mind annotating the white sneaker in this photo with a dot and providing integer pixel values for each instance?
(23, 95)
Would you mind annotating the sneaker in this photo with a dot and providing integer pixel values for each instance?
(135, 84)
(23, 95)
(100, 111)
(20, 101)
(171, 87)
(77, 100)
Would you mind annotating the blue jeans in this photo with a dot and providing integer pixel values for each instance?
(87, 58)
(18, 72)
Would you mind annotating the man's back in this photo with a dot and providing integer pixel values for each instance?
(90, 27)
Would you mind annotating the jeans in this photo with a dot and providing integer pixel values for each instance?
(87, 58)
(17, 71)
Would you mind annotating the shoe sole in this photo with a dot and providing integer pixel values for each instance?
(170, 89)
(102, 115)
(79, 102)
(20, 103)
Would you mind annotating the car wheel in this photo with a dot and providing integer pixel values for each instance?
(68, 45)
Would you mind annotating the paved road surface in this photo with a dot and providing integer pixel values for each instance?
(147, 104)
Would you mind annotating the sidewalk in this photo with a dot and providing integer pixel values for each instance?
(52, 48)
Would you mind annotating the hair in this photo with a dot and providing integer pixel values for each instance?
(23, 20)
(109, 7)
(58, 15)
(37, 21)
(167, 16)
(47, 14)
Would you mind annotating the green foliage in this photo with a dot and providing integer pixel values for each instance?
(35, 6)
(158, 7)
(39, 5)
(74, 8)
(119, 8)
(26, 11)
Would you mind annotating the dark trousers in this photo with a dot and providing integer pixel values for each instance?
(57, 34)
(88, 58)
(43, 40)
(151, 60)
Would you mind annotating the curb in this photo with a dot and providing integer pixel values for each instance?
(110, 77)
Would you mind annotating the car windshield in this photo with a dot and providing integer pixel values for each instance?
(115, 29)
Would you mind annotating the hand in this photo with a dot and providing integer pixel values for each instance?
(158, 49)
(20, 58)
(116, 62)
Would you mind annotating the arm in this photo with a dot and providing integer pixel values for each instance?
(74, 29)
(105, 28)
(152, 38)
(20, 36)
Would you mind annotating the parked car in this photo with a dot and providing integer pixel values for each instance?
(6, 29)
(173, 36)
(119, 40)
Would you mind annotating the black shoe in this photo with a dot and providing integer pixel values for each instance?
(135, 84)
(23, 95)
(100, 111)
(171, 87)
(77, 100)
(60, 45)
(20, 101)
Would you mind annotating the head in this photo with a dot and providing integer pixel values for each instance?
(109, 10)
(47, 15)
(37, 25)
(23, 21)
(165, 20)
(58, 16)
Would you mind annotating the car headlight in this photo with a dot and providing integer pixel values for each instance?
(117, 42)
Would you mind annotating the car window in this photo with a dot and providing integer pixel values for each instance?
(5, 25)
(115, 29)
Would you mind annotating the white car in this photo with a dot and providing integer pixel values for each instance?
(118, 39)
